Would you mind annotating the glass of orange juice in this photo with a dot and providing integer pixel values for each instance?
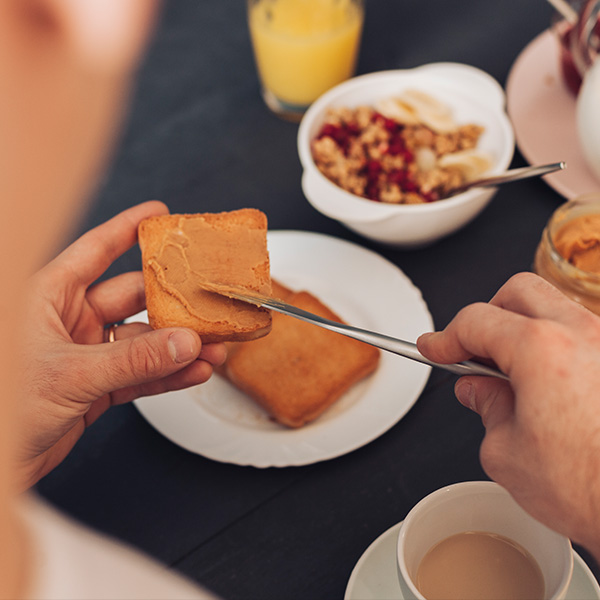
(302, 48)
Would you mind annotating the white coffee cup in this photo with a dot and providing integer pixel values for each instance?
(480, 506)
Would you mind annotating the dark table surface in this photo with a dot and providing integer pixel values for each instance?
(200, 138)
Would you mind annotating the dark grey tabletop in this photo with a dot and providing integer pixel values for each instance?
(200, 138)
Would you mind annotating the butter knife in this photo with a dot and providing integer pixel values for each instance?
(384, 342)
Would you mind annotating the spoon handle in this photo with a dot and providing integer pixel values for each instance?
(513, 175)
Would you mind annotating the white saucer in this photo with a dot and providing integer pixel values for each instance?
(542, 111)
(375, 576)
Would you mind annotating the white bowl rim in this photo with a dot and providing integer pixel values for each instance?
(375, 211)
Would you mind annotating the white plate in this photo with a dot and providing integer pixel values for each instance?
(542, 111)
(219, 422)
(375, 576)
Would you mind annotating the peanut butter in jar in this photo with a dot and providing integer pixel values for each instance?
(568, 255)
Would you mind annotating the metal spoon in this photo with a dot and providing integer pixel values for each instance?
(508, 176)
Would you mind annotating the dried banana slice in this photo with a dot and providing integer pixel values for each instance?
(394, 108)
(414, 106)
(471, 163)
(433, 113)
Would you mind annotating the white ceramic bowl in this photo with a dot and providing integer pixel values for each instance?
(474, 97)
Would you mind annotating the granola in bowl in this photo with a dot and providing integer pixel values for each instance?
(402, 150)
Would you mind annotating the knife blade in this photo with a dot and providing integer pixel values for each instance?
(384, 342)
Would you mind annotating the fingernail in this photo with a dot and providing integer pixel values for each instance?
(425, 336)
(182, 346)
(465, 394)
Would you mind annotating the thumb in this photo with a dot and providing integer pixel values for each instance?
(492, 399)
(145, 357)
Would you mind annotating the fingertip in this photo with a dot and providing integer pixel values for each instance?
(158, 207)
(215, 354)
(425, 338)
(430, 345)
(151, 208)
(465, 393)
(184, 345)
(207, 371)
(491, 398)
(196, 373)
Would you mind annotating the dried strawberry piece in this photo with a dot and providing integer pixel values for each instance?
(328, 130)
(395, 148)
(340, 134)
(390, 125)
(353, 129)
(373, 168)
(408, 156)
(372, 190)
(397, 176)
(336, 132)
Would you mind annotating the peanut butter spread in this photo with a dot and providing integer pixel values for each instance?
(578, 241)
(197, 252)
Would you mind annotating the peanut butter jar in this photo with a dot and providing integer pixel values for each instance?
(568, 255)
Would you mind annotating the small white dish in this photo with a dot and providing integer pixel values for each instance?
(375, 575)
(473, 97)
(218, 421)
(543, 113)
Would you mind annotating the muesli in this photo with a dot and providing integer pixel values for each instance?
(404, 150)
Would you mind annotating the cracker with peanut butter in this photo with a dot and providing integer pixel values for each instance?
(180, 251)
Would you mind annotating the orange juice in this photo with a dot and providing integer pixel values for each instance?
(304, 47)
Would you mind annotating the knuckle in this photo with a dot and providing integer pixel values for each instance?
(543, 336)
(143, 359)
(470, 311)
(522, 279)
(521, 282)
(469, 317)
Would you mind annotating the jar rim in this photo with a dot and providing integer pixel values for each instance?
(583, 206)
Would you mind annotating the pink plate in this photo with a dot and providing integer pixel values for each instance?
(542, 111)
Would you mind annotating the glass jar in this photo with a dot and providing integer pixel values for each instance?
(581, 285)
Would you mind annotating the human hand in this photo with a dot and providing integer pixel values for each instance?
(70, 376)
(542, 440)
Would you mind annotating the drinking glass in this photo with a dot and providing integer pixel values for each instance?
(302, 48)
